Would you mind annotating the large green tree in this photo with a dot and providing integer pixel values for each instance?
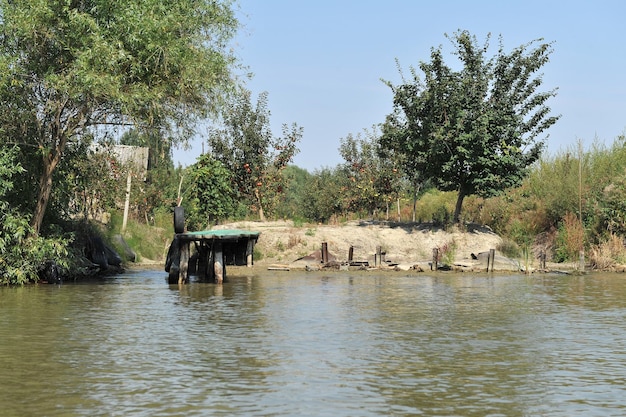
(210, 193)
(244, 143)
(475, 130)
(375, 180)
(72, 67)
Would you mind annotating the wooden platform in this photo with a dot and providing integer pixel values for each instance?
(214, 248)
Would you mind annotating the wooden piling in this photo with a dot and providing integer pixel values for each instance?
(350, 254)
(378, 261)
(433, 265)
(183, 273)
(542, 260)
(491, 259)
(324, 252)
(218, 262)
(249, 253)
(215, 248)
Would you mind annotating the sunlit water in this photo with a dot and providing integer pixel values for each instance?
(298, 344)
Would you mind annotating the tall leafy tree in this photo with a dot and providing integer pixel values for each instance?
(245, 145)
(210, 193)
(70, 67)
(394, 145)
(375, 180)
(324, 195)
(296, 180)
(476, 130)
(21, 255)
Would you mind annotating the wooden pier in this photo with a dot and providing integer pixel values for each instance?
(214, 250)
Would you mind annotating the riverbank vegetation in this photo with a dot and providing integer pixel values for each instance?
(71, 97)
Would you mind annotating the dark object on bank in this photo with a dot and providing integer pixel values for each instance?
(102, 255)
(49, 273)
(179, 219)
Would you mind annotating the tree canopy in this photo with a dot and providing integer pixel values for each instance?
(244, 143)
(475, 130)
(72, 67)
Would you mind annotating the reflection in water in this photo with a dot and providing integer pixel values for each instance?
(313, 344)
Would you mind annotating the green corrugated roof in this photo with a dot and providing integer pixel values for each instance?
(223, 233)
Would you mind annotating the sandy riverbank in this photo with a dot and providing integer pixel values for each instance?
(404, 245)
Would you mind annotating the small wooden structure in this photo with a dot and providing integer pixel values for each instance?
(215, 249)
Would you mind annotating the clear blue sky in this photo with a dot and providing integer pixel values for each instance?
(321, 61)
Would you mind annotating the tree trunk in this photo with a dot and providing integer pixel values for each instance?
(416, 190)
(399, 218)
(257, 195)
(50, 162)
(459, 205)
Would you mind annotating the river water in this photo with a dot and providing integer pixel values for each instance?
(316, 344)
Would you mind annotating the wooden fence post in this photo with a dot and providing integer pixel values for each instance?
(491, 259)
(324, 252)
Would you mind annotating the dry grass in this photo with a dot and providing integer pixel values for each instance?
(608, 254)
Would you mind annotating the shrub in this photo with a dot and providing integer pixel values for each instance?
(569, 240)
(606, 254)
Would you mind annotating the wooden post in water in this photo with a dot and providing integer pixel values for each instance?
(218, 262)
(379, 252)
(433, 265)
(491, 260)
(183, 274)
(350, 254)
(324, 252)
(249, 253)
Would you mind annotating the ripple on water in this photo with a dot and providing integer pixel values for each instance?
(340, 344)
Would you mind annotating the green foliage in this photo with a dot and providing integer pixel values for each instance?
(447, 253)
(147, 241)
(324, 195)
(210, 196)
(93, 180)
(555, 183)
(436, 207)
(509, 248)
(474, 130)
(245, 145)
(156, 64)
(292, 199)
(159, 188)
(21, 255)
(569, 240)
(375, 180)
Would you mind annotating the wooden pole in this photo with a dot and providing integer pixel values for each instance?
(324, 252)
(350, 254)
(434, 265)
(250, 253)
(378, 260)
(183, 274)
(127, 201)
(491, 259)
(218, 264)
(581, 253)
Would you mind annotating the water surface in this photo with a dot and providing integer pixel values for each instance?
(297, 343)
